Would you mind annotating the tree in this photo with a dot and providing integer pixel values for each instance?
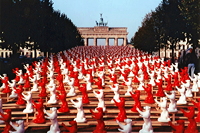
(34, 24)
(174, 24)
(190, 10)
(145, 38)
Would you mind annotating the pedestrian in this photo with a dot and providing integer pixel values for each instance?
(191, 61)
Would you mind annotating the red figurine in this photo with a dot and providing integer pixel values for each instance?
(99, 83)
(5, 86)
(169, 84)
(85, 98)
(27, 82)
(149, 98)
(40, 111)
(19, 91)
(160, 92)
(122, 112)
(136, 98)
(176, 79)
(15, 70)
(192, 126)
(72, 129)
(179, 127)
(42, 84)
(197, 104)
(100, 127)
(6, 118)
(64, 106)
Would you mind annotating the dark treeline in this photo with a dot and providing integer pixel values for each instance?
(34, 24)
(172, 21)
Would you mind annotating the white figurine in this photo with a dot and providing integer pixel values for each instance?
(13, 87)
(147, 126)
(141, 80)
(19, 128)
(51, 82)
(101, 75)
(3, 78)
(129, 85)
(194, 83)
(100, 97)
(125, 128)
(188, 92)
(152, 80)
(53, 98)
(34, 81)
(159, 75)
(20, 74)
(65, 73)
(182, 98)
(164, 116)
(72, 89)
(37, 73)
(88, 83)
(29, 104)
(198, 82)
(80, 117)
(115, 89)
(54, 128)
(172, 105)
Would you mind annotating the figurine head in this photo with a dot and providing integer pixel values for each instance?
(8, 111)
(137, 91)
(13, 80)
(190, 108)
(147, 107)
(40, 100)
(164, 99)
(20, 122)
(99, 109)
(53, 109)
(128, 121)
(172, 92)
(84, 85)
(122, 99)
(79, 99)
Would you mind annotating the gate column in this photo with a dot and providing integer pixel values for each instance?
(86, 41)
(116, 41)
(95, 41)
(107, 41)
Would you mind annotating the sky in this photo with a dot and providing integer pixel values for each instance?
(118, 13)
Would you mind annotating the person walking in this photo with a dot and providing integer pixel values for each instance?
(191, 61)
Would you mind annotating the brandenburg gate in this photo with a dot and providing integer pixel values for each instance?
(102, 31)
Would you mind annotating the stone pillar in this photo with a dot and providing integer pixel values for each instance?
(95, 41)
(124, 43)
(116, 41)
(86, 42)
(107, 41)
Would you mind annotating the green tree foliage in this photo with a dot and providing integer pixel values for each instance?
(173, 23)
(169, 26)
(34, 24)
(190, 10)
(145, 38)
